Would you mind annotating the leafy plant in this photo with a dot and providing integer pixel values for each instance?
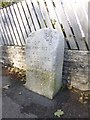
(5, 4)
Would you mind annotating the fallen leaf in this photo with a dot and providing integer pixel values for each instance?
(6, 86)
(85, 102)
(59, 113)
(81, 98)
(19, 93)
(86, 97)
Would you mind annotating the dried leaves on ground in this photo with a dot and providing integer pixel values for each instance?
(59, 113)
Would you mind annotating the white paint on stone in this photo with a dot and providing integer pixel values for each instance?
(44, 61)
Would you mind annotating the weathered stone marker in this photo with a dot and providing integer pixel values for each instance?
(44, 62)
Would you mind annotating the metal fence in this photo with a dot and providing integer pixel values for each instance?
(69, 17)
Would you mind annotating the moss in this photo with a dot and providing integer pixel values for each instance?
(45, 74)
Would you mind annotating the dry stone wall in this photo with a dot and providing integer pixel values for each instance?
(14, 56)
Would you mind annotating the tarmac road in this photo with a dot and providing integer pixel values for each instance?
(18, 102)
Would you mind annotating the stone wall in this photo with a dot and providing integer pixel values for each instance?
(75, 69)
(14, 55)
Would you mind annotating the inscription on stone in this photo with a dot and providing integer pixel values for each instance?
(44, 62)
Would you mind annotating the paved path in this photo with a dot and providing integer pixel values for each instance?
(18, 102)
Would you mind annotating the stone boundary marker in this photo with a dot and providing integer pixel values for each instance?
(44, 61)
(76, 65)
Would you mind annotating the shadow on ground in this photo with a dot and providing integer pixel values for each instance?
(18, 102)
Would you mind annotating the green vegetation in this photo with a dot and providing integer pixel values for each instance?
(5, 4)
